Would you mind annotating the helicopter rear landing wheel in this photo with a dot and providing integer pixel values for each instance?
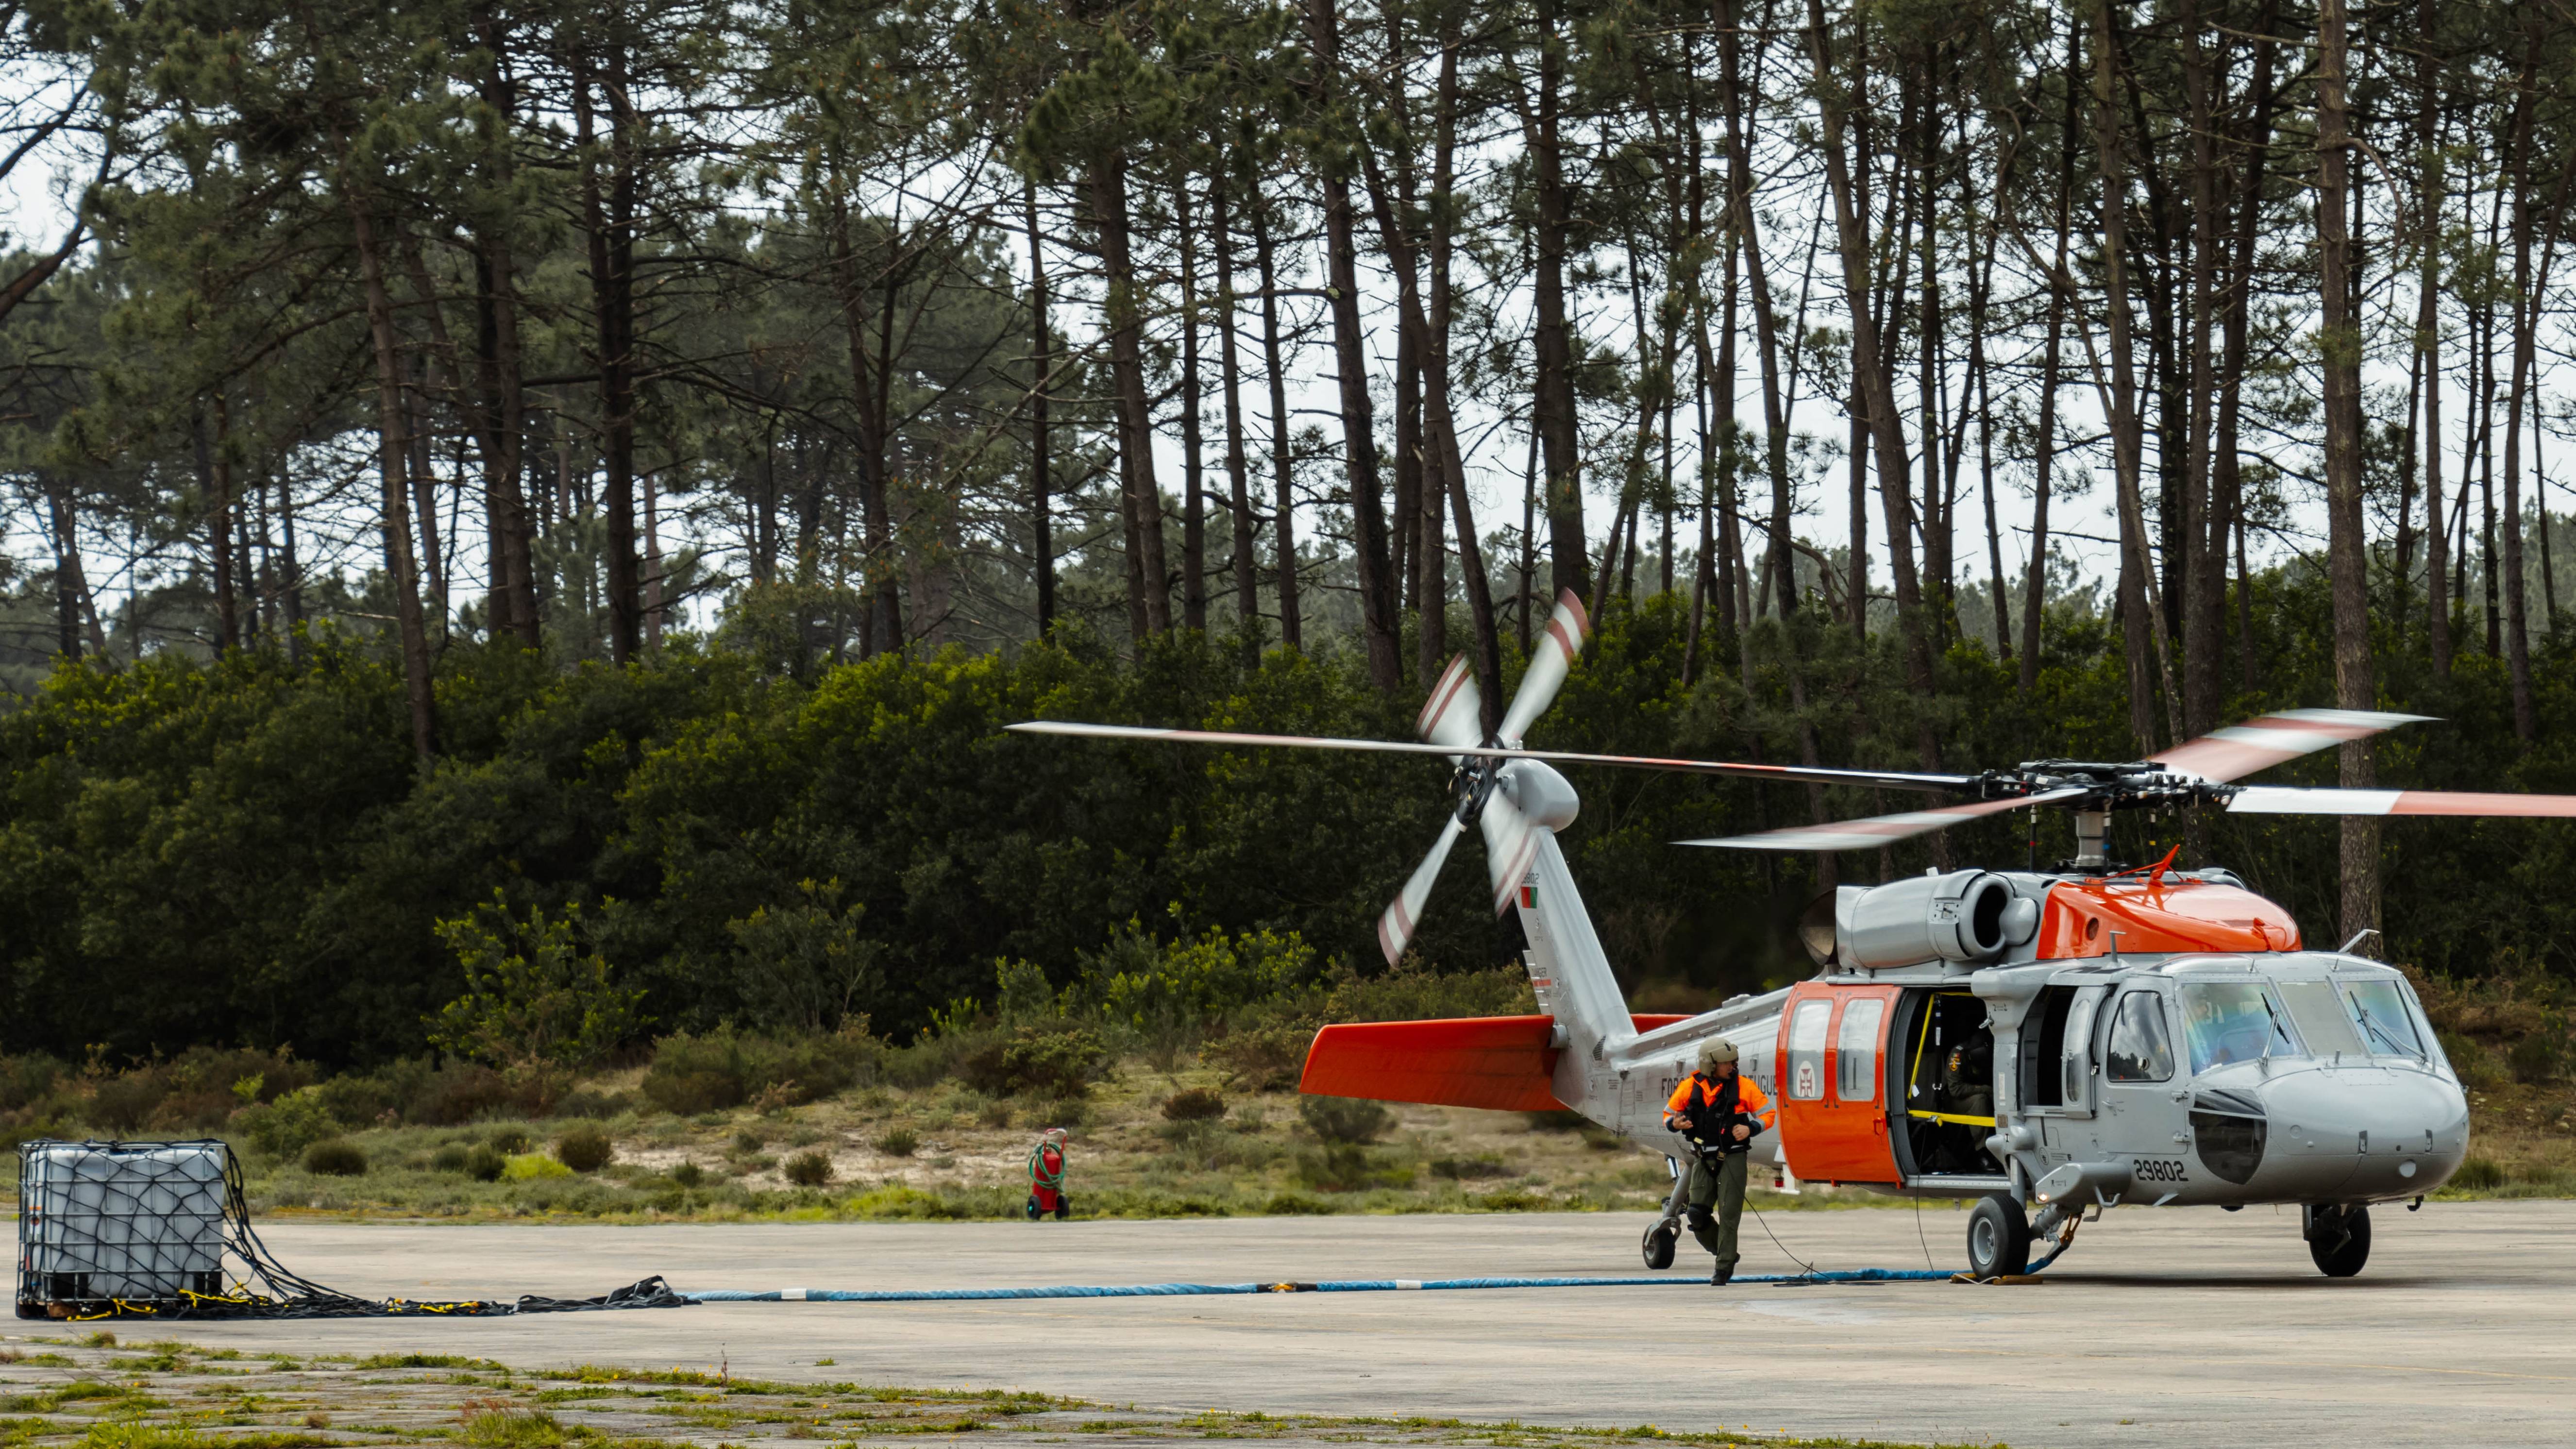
(2339, 1239)
(1659, 1245)
(1998, 1237)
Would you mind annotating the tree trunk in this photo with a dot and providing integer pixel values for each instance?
(1282, 435)
(867, 317)
(1123, 305)
(2428, 346)
(2346, 558)
(1193, 493)
(2044, 463)
(1041, 383)
(1869, 375)
(1766, 327)
(214, 483)
(2227, 500)
(498, 353)
(2142, 608)
(392, 454)
(2524, 318)
(1238, 474)
(2204, 602)
(1378, 614)
(1552, 401)
(610, 222)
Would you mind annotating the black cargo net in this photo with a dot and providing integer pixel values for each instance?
(113, 1229)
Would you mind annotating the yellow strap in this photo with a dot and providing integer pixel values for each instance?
(1951, 1117)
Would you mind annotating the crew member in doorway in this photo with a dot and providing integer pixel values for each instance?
(1717, 1110)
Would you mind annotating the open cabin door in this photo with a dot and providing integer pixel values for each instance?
(1833, 1051)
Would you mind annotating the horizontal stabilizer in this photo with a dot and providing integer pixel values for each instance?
(1503, 1063)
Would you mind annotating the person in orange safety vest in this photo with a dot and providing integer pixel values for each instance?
(1718, 1111)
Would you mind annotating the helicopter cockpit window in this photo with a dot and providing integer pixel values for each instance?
(2378, 1011)
(2321, 1020)
(2141, 1051)
(2234, 1021)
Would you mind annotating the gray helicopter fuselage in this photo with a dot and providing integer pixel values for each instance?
(2177, 1077)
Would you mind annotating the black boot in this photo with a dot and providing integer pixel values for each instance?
(1717, 1279)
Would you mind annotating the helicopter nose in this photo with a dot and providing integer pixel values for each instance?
(2366, 1132)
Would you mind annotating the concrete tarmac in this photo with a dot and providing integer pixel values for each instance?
(2163, 1327)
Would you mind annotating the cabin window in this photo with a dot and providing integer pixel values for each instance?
(1807, 1050)
(2378, 1012)
(2321, 1019)
(2141, 1050)
(2233, 1021)
(1856, 1051)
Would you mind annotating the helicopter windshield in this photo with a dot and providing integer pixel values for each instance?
(2378, 1009)
(2233, 1021)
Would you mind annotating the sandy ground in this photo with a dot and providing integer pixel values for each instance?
(2164, 1327)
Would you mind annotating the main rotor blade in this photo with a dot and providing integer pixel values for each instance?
(1395, 928)
(1935, 784)
(2283, 800)
(1878, 830)
(1455, 713)
(2258, 744)
(1551, 658)
(1510, 844)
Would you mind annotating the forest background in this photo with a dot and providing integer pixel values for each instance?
(503, 489)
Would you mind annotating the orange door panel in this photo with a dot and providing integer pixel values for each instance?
(1833, 1082)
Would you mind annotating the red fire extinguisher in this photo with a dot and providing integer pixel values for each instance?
(1046, 1177)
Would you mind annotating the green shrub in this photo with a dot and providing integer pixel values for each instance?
(808, 1169)
(996, 1113)
(451, 1157)
(28, 1079)
(535, 996)
(725, 1068)
(461, 1092)
(486, 1163)
(1036, 1063)
(286, 1126)
(1349, 1120)
(2540, 1055)
(591, 1102)
(1298, 1204)
(901, 1142)
(532, 1166)
(1261, 1058)
(335, 1157)
(1469, 1169)
(1348, 1167)
(123, 1103)
(509, 1139)
(585, 1149)
(689, 1174)
(2478, 1174)
(1197, 1104)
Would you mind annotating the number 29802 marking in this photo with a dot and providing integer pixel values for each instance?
(2148, 1169)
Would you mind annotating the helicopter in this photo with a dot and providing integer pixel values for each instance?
(2046, 1043)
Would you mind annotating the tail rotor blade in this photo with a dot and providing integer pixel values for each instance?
(1550, 660)
(1455, 712)
(1395, 928)
(1510, 844)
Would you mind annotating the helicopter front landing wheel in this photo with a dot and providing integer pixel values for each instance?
(1998, 1237)
(2339, 1239)
(1659, 1245)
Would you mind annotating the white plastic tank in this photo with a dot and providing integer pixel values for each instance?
(129, 1220)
